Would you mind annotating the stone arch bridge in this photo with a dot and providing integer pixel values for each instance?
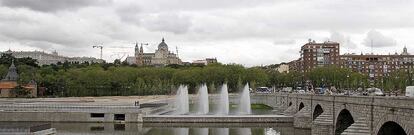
(346, 115)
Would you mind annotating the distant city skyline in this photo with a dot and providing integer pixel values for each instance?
(246, 32)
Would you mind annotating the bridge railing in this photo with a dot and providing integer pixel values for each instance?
(68, 108)
(384, 101)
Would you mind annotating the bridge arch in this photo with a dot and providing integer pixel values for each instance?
(391, 128)
(301, 106)
(343, 121)
(317, 111)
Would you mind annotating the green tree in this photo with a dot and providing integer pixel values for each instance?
(20, 91)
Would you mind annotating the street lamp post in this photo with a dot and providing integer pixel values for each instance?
(347, 79)
(382, 83)
(396, 85)
(409, 77)
(323, 83)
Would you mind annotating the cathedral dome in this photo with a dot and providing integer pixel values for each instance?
(163, 45)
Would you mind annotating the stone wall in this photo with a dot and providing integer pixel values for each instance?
(399, 110)
(368, 113)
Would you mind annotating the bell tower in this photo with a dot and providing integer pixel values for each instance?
(405, 51)
(136, 50)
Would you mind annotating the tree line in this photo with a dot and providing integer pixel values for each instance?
(109, 79)
(93, 79)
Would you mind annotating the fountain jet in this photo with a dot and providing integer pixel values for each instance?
(203, 104)
(223, 107)
(244, 106)
(181, 101)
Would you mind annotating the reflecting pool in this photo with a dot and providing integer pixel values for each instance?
(177, 129)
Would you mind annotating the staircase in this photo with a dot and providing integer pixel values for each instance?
(323, 124)
(324, 119)
(358, 128)
(303, 119)
(291, 110)
(306, 112)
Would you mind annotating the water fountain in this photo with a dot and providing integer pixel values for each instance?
(203, 103)
(223, 107)
(202, 114)
(181, 103)
(244, 106)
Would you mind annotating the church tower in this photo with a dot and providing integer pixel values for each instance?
(141, 50)
(405, 51)
(136, 50)
(139, 53)
(12, 73)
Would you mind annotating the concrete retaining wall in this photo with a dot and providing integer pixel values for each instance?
(62, 117)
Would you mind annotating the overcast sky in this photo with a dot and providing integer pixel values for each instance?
(248, 32)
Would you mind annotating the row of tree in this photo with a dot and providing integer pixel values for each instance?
(73, 79)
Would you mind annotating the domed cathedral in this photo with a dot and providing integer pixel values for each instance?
(161, 57)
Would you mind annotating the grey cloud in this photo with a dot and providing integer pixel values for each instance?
(44, 45)
(173, 21)
(377, 39)
(129, 13)
(218, 19)
(342, 39)
(193, 23)
(201, 5)
(293, 20)
(44, 31)
(52, 5)
(284, 41)
(167, 22)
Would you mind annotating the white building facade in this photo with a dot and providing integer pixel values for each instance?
(44, 58)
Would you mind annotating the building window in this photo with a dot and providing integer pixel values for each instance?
(119, 117)
(97, 115)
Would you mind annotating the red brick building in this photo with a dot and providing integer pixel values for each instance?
(377, 66)
(328, 53)
(314, 55)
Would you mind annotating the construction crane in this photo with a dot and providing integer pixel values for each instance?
(119, 55)
(120, 47)
(176, 49)
(99, 47)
